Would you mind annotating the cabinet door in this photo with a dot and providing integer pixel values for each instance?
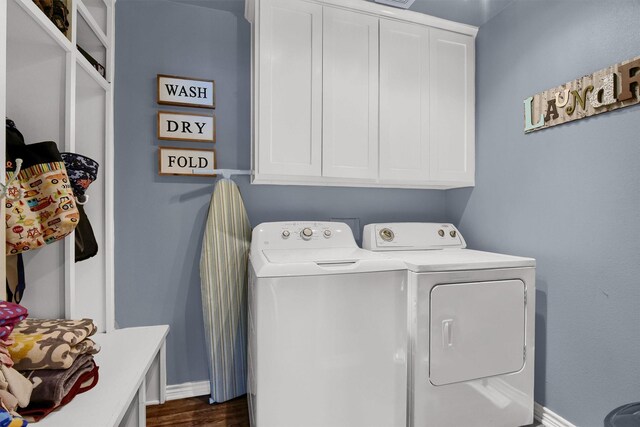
(350, 107)
(404, 102)
(452, 107)
(289, 115)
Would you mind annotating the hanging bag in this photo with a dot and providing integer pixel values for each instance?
(40, 207)
(82, 172)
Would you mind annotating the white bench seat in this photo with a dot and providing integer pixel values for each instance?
(132, 369)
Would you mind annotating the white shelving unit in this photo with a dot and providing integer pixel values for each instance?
(54, 93)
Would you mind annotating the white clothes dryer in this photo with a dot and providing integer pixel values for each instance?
(471, 322)
(328, 334)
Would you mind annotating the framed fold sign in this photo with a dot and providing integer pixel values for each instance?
(185, 91)
(186, 127)
(185, 161)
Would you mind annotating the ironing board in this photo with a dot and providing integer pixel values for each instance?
(223, 277)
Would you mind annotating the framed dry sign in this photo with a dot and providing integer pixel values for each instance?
(185, 161)
(186, 127)
(189, 92)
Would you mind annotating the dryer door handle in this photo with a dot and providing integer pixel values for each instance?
(447, 333)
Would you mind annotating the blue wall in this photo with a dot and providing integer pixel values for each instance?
(568, 196)
(160, 220)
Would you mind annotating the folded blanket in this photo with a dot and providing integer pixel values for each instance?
(52, 385)
(51, 344)
(10, 315)
(19, 386)
(5, 356)
(9, 401)
(86, 381)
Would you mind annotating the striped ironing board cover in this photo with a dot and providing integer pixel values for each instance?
(223, 278)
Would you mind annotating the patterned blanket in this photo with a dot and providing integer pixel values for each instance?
(51, 344)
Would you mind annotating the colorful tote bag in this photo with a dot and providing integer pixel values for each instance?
(40, 206)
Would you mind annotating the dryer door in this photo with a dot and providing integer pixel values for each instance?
(477, 330)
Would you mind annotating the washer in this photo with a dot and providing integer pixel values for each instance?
(471, 327)
(327, 330)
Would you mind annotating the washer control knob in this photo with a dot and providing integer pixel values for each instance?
(387, 234)
(286, 234)
(306, 233)
(327, 233)
(453, 233)
(441, 233)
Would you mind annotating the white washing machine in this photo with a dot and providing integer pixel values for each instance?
(471, 323)
(327, 330)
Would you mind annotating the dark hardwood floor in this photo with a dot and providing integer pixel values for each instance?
(196, 412)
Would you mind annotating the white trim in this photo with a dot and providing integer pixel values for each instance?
(91, 22)
(109, 168)
(185, 391)
(47, 25)
(383, 11)
(3, 113)
(548, 418)
(324, 181)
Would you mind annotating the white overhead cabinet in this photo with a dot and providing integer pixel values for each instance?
(289, 108)
(353, 93)
(452, 130)
(404, 103)
(350, 95)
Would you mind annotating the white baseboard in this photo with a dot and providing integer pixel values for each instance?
(184, 391)
(548, 418)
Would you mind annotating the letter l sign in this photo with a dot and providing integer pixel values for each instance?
(527, 116)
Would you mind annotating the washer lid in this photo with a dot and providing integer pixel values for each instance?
(458, 259)
(334, 255)
(323, 261)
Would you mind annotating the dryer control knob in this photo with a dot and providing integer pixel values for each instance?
(453, 233)
(386, 234)
(441, 233)
(327, 233)
(286, 234)
(306, 233)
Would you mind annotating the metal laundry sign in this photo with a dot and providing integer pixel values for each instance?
(605, 90)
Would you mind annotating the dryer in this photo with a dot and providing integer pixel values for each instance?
(471, 327)
(327, 330)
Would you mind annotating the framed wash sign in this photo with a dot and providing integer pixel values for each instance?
(186, 127)
(185, 161)
(189, 92)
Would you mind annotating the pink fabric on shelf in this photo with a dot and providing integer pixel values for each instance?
(10, 315)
